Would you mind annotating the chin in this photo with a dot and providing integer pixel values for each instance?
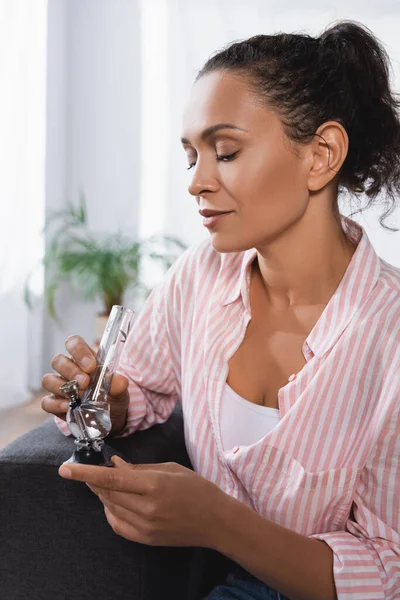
(226, 243)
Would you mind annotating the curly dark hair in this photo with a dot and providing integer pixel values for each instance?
(343, 76)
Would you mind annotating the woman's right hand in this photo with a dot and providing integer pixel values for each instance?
(79, 365)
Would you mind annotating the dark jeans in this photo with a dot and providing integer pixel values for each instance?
(242, 585)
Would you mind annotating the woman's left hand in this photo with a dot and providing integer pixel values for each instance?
(159, 504)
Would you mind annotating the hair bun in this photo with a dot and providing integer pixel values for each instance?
(352, 35)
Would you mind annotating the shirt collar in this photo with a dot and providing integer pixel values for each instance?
(241, 283)
(357, 283)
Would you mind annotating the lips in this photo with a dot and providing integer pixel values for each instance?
(213, 213)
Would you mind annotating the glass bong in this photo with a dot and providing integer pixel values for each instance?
(88, 417)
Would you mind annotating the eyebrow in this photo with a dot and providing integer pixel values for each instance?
(213, 129)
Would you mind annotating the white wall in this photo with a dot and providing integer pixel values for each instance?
(93, 135)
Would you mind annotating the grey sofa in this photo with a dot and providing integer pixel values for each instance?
(55, 543)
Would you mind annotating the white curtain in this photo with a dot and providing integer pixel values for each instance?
(191, 31)
(22, 190)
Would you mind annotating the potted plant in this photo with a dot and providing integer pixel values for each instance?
(102, 267)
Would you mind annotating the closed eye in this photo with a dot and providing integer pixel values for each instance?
(225, 158)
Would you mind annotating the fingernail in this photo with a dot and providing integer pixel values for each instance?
(81, 379)
(87, 362)
(117, 460)
(64, 471)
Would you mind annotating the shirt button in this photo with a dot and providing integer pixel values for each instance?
(307, 348)
(292, 376)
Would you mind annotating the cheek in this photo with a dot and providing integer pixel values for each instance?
(272, 185)
(269, 192)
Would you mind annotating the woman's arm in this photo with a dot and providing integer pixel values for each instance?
(298, 567)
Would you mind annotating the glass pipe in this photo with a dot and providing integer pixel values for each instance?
(88, 417)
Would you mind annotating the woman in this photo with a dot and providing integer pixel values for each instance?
(279, 335)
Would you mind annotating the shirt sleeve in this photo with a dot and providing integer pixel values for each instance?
(366, 556)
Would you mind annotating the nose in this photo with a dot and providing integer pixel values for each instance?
(204, 180)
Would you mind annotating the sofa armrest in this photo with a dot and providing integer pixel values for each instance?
(45, 445)
(55, 540)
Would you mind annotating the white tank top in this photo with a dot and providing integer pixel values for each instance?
(243, 423)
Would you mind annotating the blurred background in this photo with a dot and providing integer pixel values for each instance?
(91, 98)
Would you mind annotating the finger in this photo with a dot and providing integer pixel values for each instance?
(52, 382)
(139, 504)
(122, 528)
(68, 369)
(119, 388)
(81, 352)
(119, 462)
(55, 405)
(129, 514)
(169, 467)
(123, 480)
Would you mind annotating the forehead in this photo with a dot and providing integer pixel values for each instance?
(222, 97)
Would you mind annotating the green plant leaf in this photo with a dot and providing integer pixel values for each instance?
(97, 266)
(50, 291)
(82, 209)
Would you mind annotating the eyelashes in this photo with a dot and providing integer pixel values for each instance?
(225, 158)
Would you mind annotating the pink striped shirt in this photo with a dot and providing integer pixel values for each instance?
(330, 467)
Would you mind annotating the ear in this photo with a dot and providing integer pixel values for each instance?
(329, 150)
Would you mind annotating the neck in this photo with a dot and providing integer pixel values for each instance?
(304, 265)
